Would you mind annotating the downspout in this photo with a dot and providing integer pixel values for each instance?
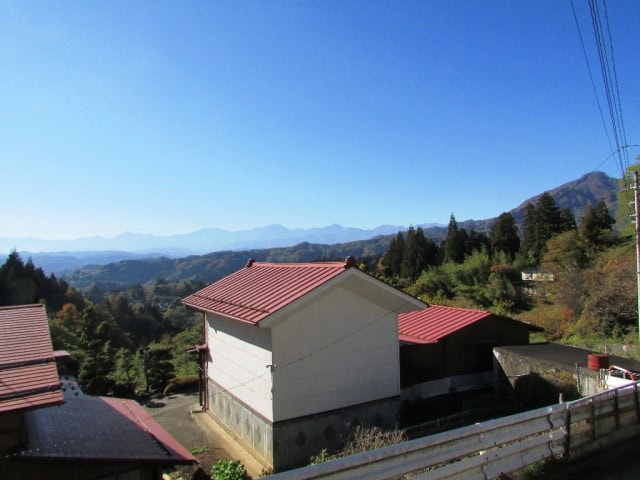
(205, 366)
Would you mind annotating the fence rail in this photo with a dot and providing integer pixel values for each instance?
(485, 450)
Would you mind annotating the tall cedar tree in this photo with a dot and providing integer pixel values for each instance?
(504, 235)
(541, 223)
(427, 252)
(596, 225)
(476, 241)
(408, 265)
(393, 257)
(22, 283)
(455, 242)
(98, 363)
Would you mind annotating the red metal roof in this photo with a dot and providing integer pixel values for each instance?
(436, 322)
(88, 428)
(28, 373)
(261, 289)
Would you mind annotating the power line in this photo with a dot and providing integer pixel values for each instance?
(610, 81)
(593, 84)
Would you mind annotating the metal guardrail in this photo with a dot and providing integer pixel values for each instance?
(486, 450)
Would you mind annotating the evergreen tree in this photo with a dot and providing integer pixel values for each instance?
(427, 252)
(392, 260)
(504, 235)
(596, 226)
(454, 243)
(476, 242)
(96, 368)
(158, 367)
(22, 284)
(567, 220)
(408, 265)
(541, 223)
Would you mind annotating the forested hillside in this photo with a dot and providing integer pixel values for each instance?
(126, 342)
(127, 331)
(573, 197)
(590, 290)
(211, 267)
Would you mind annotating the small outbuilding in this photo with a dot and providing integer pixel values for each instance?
(444, 349)
(295, 352)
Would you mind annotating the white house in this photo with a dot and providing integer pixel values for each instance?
(296, 352)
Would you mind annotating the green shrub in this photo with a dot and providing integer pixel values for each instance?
(229, 470)
(361, 439)
(322, 457)
(181, 384)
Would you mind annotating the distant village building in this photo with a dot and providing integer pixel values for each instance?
(297, 352)
(536, 275)
(50, 430)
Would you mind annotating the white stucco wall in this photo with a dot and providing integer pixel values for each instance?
(238, 357)
(340, 349)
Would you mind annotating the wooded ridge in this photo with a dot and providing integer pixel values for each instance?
(575, 196)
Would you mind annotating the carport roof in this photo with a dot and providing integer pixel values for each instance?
(436, 322)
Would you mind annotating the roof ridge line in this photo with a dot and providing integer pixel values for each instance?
(16, 307)
(234, 304)
(301, 264)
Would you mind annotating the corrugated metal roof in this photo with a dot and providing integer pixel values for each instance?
(88, 428)
(436, 322)
(261, 289)
(28, 373)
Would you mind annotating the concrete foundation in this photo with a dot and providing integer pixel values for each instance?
(290, 443)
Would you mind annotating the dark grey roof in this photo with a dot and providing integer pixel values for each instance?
(99, 429)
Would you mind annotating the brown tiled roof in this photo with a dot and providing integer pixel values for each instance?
(261, 289)
(436, 322)
(28, 373)
(88, 428)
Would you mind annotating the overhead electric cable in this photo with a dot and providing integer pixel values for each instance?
(610, 83)
(617, 93)
(593, 83)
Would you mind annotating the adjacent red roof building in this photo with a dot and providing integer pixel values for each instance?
(436, 322)
(452, 343)
(28, 374)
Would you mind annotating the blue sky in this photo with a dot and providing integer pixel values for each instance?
(169, 117)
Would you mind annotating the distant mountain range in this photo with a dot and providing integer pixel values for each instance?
(63, 255)
(203, 241)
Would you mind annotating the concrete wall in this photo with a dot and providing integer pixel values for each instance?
(340, 350)
(239, 354)
(290, 443)
(251, 429)
(443, 386)
(296, 440)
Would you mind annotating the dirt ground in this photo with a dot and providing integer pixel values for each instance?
(179, 414)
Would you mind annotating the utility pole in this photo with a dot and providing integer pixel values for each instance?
(636, 196)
